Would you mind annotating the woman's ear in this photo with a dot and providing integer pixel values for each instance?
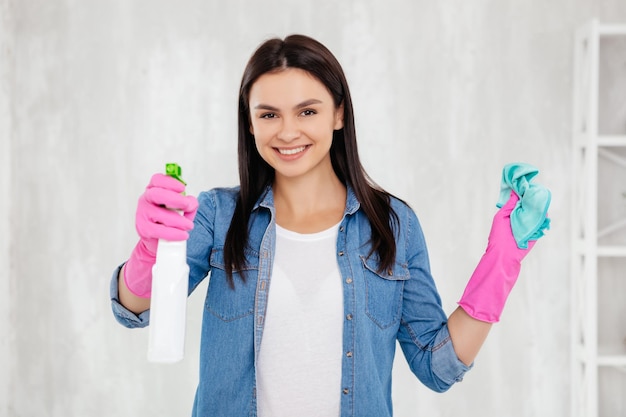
(339, 117)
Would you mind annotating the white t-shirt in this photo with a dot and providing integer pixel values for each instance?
(299, 365)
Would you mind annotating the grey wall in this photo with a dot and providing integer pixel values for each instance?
(7, 330)
(97, 95)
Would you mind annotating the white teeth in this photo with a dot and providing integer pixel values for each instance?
(291, 151)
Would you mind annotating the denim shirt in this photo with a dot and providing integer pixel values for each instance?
(399, 304)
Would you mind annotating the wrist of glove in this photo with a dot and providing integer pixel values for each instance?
(495, 275)
(163, 212)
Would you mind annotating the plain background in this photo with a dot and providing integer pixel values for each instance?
(97, 95)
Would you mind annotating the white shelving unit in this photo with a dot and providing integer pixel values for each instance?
(599, 222)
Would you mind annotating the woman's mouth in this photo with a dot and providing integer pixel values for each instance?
(292, 151)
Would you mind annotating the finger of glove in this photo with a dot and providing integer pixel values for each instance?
(170, 199)
(165, 181)
(151, 231)
(151, 219)
(160, 231)
(161, 215)
(501, 236)
(501, 233)
(502, 218)
(192, 207)
(510, 204)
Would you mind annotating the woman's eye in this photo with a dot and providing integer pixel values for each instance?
(268, 115)
(308, 112)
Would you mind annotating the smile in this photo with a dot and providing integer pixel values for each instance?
(292, 151)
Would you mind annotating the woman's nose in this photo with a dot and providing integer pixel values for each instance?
(289, 130)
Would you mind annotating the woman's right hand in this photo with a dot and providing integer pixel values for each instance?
(158, 211)
(158, 216)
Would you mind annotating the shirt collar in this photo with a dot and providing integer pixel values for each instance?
(267, 200)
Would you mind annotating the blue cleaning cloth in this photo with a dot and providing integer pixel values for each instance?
(529, 217)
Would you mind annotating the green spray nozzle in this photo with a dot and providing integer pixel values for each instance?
(174, 171)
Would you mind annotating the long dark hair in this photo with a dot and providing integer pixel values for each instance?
(299, 51)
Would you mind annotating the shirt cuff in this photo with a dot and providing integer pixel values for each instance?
(124, 316)
(445, 363)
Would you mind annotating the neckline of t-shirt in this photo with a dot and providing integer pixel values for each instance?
(290, 234)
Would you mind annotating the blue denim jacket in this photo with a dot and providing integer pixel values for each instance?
(400, 304)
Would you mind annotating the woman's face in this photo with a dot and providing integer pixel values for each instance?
(293, 117)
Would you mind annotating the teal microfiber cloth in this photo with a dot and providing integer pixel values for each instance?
(529, 217)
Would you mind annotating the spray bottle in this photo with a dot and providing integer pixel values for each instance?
(168, 305)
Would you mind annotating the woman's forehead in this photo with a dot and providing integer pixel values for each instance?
(291, 85)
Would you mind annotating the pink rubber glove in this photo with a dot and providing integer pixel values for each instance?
(498, 269)
(156, 219)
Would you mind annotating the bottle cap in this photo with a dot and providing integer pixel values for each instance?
(174, 171)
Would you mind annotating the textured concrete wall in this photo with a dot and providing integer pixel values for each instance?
(95, 96)
(7, 277)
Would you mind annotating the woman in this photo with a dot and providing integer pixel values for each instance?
(315, 270)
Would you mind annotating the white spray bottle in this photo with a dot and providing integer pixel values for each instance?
(168, 304)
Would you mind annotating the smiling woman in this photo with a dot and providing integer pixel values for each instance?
(316, 272)
(293, 119)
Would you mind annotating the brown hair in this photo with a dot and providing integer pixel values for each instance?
(299, 51)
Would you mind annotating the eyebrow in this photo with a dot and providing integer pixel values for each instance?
(305, 103)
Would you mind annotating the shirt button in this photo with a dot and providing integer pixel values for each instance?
(340, 253)
(349, 354)
(348, 280)
(341, 229)
(346, 391)
(349, 317)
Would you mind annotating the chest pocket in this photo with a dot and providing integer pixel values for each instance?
(224, 302)
(383, 292)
